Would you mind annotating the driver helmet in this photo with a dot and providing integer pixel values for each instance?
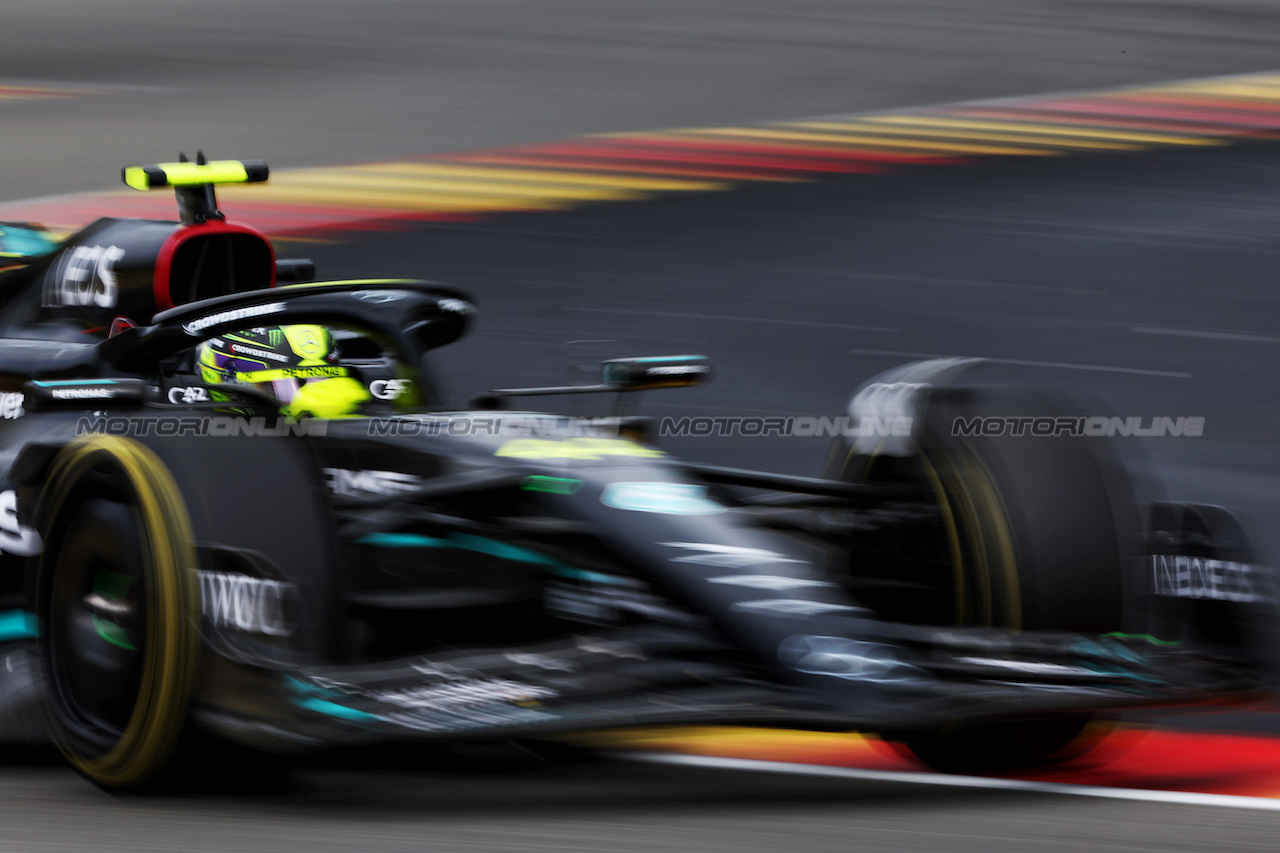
(298, 365)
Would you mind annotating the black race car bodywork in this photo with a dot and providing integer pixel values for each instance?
(177, 558)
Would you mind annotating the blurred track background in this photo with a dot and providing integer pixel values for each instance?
(1131, 260)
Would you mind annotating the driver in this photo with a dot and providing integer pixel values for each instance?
(298, 365)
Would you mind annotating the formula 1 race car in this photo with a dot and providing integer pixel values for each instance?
(234, 510)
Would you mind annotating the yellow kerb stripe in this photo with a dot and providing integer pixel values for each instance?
(1059, 130)
(1031, 138)
(865, 141)
(393, 184)
(1268, 88)
(355, 198)
(536, 176)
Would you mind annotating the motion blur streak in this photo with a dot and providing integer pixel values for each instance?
(35, 92)
(636, 166)
(1225, 764)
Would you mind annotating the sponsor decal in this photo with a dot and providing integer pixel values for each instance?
(1180, 576)
(455, 306)
(378, 297)
(390, 389)
(360, 483)
(258, 353)
(15, 538)
(776, 583)
(307, 342)
(607, 603)
(585, 449)
(452, 705)
(11, 405)
(664, 498)
(195, 327)
(324, 372)
(540, 661)
(96, 392)
(611, 648)
(252, 605)
(470, 717)
(677, 370)
(1028, 666)
(84, 276)
(841, 657)
(455, 694)
(727, 556)
(793, 607)
(188, 394)
(889, 403)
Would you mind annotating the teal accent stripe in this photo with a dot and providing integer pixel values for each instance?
(323, 706)
(333, 709)
(492, 547)
(401, 540)
(1150, 639)
(668, 358)
(18, 625)
(499, 549)
(589, 576)
(57, 382)
(463, 541)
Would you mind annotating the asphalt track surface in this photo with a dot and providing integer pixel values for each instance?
(1155, 271)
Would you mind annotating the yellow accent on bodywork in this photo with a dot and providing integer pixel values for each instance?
(574, 448)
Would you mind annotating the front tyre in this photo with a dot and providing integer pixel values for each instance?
(1015, 743)
(1030, 533)
(117, 593)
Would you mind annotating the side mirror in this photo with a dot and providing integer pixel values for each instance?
(295, 270)
(618, 374)
(660, 371)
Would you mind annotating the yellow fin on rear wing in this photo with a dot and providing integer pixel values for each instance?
(190, 174)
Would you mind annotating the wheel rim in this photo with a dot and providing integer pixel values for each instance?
(971, 575)
(142, 581)
(97, 663)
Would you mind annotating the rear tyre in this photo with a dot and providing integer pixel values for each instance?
(118, 596)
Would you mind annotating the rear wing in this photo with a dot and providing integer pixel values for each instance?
(193, 183)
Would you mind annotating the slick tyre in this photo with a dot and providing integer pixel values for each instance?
(1024, 533)
(117, 593)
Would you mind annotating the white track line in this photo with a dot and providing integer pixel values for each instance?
(942, 779)
(1206, 333)
(686, 316)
